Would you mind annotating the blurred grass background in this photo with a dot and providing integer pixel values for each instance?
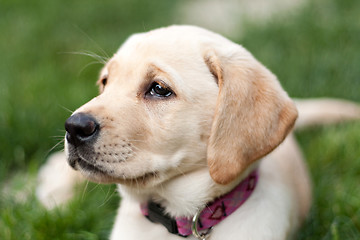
(315, 52)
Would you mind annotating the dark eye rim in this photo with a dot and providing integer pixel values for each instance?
(153, 93)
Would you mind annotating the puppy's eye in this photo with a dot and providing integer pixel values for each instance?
(103, 80)
(158, 90)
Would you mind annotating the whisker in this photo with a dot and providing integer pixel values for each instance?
(84, 191)
(136, 148)
(96, 186)
(101, 188)
(93, 41)
(89, 64)
(143, 23)
(100, 59)
(58, 137)
(107, 197)
(56, 145)
(66, 109)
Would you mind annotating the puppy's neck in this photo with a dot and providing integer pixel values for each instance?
(186, 194)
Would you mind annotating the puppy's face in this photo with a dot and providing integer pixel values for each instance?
(174, 100)
(153, 114)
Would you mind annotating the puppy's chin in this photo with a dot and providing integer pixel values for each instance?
(144, 181)
(100, 174)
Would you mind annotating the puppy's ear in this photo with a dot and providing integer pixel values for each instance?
(253, 114)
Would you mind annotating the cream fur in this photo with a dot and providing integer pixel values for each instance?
(227, 116)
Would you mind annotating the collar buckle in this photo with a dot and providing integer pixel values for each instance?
(157, 214)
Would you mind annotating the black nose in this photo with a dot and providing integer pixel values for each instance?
(81, 128)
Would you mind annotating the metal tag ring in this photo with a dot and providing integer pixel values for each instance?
(194, 227)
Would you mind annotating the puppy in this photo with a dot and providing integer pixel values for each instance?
(197, 133)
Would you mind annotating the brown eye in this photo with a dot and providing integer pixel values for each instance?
(157, 90)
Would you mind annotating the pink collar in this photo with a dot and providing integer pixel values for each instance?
(212, 214)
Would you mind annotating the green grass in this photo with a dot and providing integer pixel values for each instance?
(314, 52)
(334, 160)
(89, 215)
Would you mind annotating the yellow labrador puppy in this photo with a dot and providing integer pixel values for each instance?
(196, 133)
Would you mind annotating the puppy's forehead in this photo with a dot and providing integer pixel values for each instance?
(168, 43)
(179, 43)
(174, 48)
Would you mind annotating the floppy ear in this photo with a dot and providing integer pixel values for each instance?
(253, 114)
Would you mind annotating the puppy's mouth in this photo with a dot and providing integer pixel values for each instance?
(97, 173)
(89, 167)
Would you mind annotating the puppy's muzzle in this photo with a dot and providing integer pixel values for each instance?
(81, 128)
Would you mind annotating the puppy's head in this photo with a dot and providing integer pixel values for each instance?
(174, 100)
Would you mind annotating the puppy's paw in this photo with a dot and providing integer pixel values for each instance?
(56, 181)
